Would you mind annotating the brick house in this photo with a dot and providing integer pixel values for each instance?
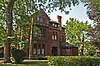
(53, 38)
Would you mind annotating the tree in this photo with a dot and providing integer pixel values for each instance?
(93, 12)
(2, 33)
(95, 36)
(93, 9)
(76, 32)
(15, 9)
(9, 21)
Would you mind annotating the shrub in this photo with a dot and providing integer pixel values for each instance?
(92, 52)
(73, 61)
(18, 55)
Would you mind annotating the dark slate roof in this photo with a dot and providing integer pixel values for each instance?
(51, 21)
(66, 44)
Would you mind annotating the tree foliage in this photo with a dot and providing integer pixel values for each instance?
(95, 36)
(93, 9)
(93, 12)
(79, 33)
(75, 30)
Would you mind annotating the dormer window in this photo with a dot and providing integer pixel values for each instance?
(55, 25)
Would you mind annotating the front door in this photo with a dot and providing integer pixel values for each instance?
(54, 51)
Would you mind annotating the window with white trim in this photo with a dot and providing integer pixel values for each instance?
(54, 36)
(39, 48)
(34, 48)
(43, 48)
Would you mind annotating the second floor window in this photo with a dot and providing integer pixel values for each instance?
(43, 32)
(61, 38)
(54, 36)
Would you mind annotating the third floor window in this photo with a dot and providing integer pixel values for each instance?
(55, 25)
(42, 20)
(39, 19)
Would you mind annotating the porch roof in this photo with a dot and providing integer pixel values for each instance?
(66, 44)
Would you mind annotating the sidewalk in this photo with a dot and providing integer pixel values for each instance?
(35, 61)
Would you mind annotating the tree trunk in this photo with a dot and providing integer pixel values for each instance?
(30, 45)
(82, 50)
(8, 31)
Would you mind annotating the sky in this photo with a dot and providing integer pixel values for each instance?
(77, 12)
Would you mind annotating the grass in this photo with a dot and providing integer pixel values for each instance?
(28, 63)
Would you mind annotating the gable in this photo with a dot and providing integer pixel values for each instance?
(44, 15)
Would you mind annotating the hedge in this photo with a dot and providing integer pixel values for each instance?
(73, 61)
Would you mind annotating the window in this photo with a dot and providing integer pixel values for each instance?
(41, 19)
(43, 48)
(54, 36)
(62, 38)
(68, 51)
(55, 25)
(38, 19)
(43, 32)
(39, 48)
(34, 49)
(47, 22)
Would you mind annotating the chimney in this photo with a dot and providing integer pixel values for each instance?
(59, 20)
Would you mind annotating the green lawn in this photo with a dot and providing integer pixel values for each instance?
(28, 63)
